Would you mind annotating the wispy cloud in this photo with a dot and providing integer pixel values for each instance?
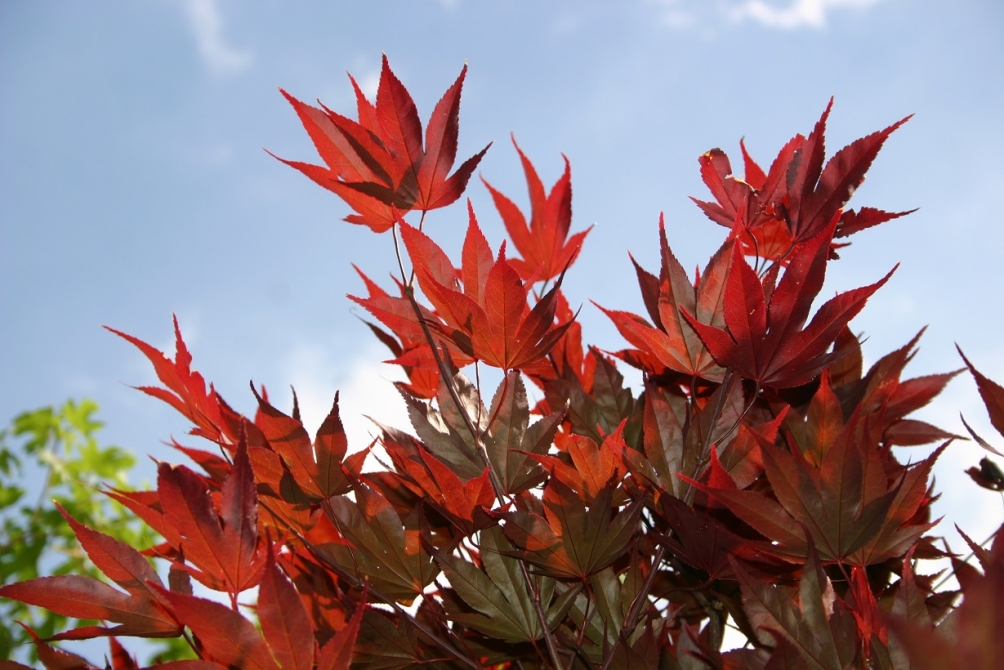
(206, 22)
(776, 14)
(793, 14)
(366, 388)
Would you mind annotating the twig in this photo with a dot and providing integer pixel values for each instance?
(641, 598)
(499, 489)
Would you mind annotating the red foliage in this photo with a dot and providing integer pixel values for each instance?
(752, 481)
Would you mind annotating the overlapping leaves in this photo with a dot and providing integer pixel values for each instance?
(378, 164)
(764, 339)
(488, 318)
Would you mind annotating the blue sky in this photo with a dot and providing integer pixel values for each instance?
(133, 182)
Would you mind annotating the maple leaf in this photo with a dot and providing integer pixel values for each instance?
(703, 542)
(383, 547)
(674, 435)
(571, 541)
(220, 542)
(817, 194)
(411, 351)
(545, 246)
(588, 468)
(798, 197)
(512, 440)
(500, 594)
(317, 467)
(140, 611)
(488, 319)
(810, 628)
(673, 342)
(970, 635)
(461, 501)
(764, 340)
(186, 390)
(992, 394)
(378, 164)
(852, 510)
(597, 399)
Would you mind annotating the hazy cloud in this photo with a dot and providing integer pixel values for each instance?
(777, 14)
(206, 22)
(366, 387)
(793, 14)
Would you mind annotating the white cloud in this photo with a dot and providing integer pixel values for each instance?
(206, 22)
(793, 14)
(369, 83)
(777, 14)
(365, 389)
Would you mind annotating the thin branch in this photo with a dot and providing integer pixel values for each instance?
(552, 649)
(497, 486)
(641, 598)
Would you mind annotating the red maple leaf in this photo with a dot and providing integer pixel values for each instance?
(765, 340)
(544, 244)
(673, 343)
(378, 164)
(140, 610)
(488, 318)
(219, 538)
(798, 196)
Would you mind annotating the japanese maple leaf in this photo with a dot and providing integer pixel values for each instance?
(220, 541)
(379, 164)
(703, 542)
(488, 319)
(970, 637)
(592, 466)
(380, 545)
(992, 394)
(764, 339)
(459, 500)
(186, 390)
(286, 639)
(572, 541)
(798, 196)
(673, 342)
(411, 350)
(804, 627)
(317, 467)
(851, 509)
(140, 610)
(545, 246)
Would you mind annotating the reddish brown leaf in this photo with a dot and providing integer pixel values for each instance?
(87, 598)
(765, 341)
(284, 621)
(379, 165)
(673, 341)
(993, 397)
(186, 388)
(337, 653)
(546, 249)
(227, 637)
(498, 327)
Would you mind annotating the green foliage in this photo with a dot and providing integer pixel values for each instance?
(57, 448)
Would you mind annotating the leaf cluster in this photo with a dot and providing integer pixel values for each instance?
(755, 481)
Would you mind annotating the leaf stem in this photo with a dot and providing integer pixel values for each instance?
(552, 648)
(499, 489)
(641, 598)
(397, 252)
